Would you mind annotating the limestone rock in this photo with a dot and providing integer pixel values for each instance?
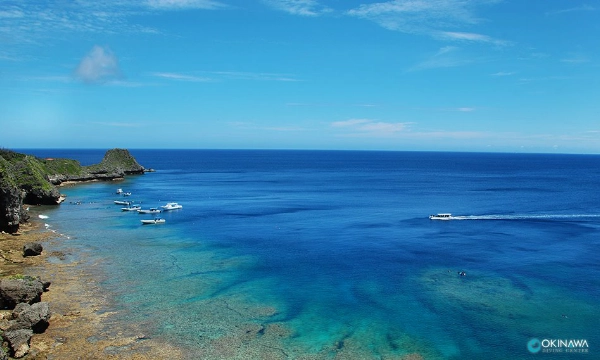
(11, 199)
(24, 289)
(35, 317)
(32, 249)
(18, 340)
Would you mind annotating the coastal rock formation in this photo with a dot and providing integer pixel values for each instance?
(31, 180)
(11, 198)
(18, 341)
(35, 317)
(32, 249)
(29, 316)
(115, 165)
(20, 289)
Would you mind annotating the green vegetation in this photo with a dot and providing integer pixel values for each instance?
(62, 166)
(10, 155)
(24, 171)
(19, 277)
(32, 180)
(27, 278)
(116, 160)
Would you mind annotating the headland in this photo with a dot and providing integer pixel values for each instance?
(76, 326)
(26, 179)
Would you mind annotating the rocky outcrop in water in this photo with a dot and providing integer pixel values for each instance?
(32, 180)
(115, 165)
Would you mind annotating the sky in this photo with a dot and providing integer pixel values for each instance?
(416, 75)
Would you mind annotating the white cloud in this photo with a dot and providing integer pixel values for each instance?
(351, 122)
(584, 7)
(98, 66)
(185, 4)
(464, 36)
(240, 75)
(445, 134)
(503, 73)
(576, 59)
(286, 128)
(299, 7)
(180, 77)
(329, 104)
(447, 56)
(224, 75)
(34, 22)
(11, 13)
(426, 17)
(117, 124)
(370, 127)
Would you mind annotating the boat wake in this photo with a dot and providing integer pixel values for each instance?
(528, 217)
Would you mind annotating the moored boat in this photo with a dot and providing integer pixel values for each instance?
(121, 202)
(171, 206)
(149, 211)
(131, 208)
(153, 221)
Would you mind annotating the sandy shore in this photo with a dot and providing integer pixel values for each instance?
(80, 325)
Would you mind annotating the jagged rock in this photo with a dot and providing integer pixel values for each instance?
(45, 284)
(24, 289)
(18, 340)
(39, 196)
(11, 199)
(35, 317)
(32, 249)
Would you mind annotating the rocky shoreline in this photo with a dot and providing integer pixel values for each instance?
(55, 309)
(79, 325)
(26, 179)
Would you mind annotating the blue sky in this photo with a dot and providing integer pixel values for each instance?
(441, 75)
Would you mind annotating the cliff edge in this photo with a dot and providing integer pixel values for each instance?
(26, 179)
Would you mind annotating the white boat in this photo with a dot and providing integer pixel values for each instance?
(149, 211)
(442, 216)
(131, 208)
(120, 202)
(153, 221)
(119, 191)
(171, 206)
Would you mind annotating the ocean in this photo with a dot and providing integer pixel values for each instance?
(331, 254)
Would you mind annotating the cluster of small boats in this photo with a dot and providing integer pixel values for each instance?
(130, 206)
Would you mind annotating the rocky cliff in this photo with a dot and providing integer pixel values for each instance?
(31, 180)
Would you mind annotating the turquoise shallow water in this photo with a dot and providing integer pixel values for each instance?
(284, 254)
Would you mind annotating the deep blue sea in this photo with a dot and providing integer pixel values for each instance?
(331, 254)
